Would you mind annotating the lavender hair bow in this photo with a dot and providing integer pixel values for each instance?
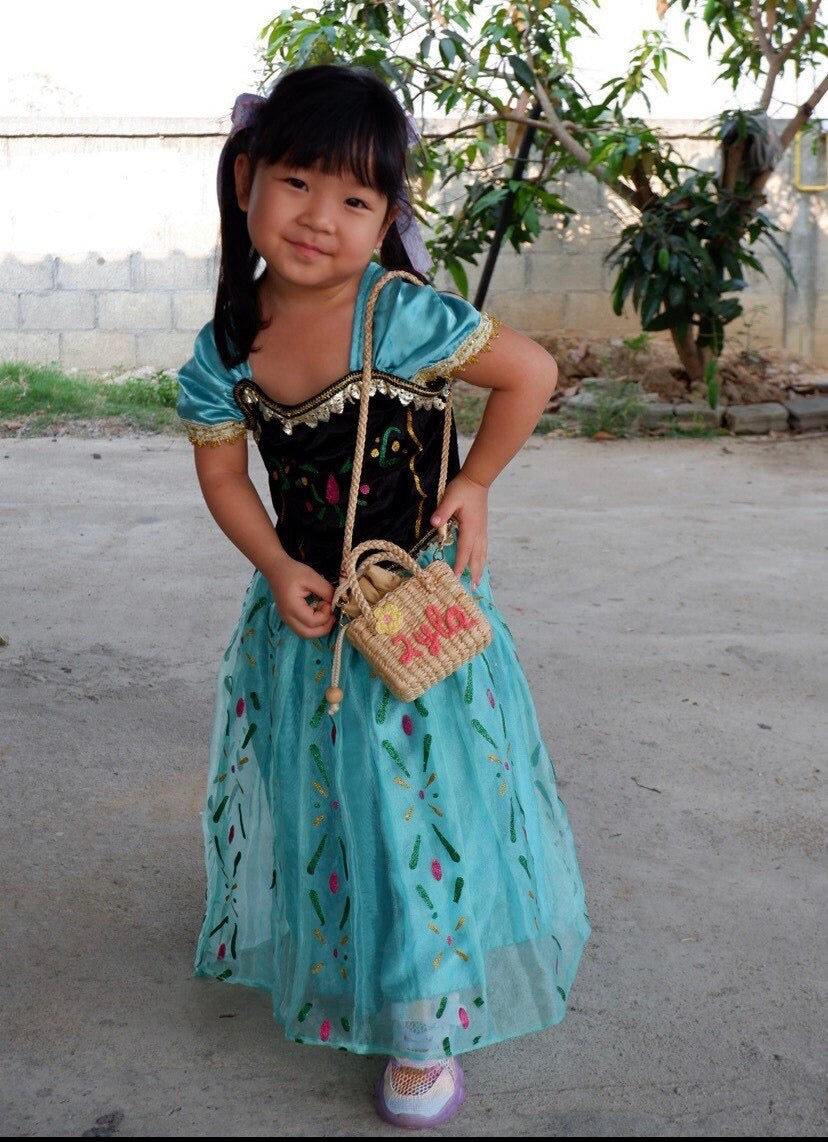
(406, 223)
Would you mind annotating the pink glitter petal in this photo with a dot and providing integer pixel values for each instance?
(239, 707)
(325, 1030)
(407, 725)
(463, 1015)
(332, 491)
(436, 870)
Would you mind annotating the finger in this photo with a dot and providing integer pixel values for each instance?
(315, 585)
(444, 510)
(477, 565)
(461, 559)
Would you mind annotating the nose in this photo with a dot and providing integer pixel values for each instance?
(317, 213)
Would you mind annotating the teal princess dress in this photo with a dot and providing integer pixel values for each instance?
(400, 877)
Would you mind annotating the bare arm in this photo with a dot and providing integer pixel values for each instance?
(237, 508)
(522, 376)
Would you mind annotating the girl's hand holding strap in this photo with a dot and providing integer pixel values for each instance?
(522, 377)
(302, 596)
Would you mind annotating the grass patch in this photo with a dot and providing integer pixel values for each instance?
(616, 411)
(36, 399)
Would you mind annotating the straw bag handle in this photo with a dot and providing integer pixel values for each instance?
(334, 694)
(384, 551)
(362, 424)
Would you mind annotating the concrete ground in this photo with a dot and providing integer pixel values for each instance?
(668, 598)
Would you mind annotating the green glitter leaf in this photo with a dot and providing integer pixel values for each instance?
(304, 1012)
(319, 713)
(220, 810)
(382, 710)
(414, 859)
(441, 1006)
(426, 750)
(254, 698)
(395, 757)
(314, 860)
(484, 733)
(469, 694)
(316, 754)
(424, 896)
(458, 888)
(317, 907)
(421, 707)
(257, 606)
(452, 852)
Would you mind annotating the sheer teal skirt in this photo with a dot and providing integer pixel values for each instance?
(401, 877)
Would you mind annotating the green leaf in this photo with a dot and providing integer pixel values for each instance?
(523, 72)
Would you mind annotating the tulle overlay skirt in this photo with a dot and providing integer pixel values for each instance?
(401, 877)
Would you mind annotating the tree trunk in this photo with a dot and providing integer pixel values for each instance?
(693, 358)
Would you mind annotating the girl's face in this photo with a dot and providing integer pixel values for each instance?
(313, 229)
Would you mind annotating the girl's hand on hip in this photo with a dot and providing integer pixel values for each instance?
(468, 502)
(303, 598)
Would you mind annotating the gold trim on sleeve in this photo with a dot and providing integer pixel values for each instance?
(226, 432)
(466, 353)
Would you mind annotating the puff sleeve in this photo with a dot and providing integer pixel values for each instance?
(206, 404)
(421, 334)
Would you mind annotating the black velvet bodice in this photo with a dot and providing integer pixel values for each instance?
(308, 452)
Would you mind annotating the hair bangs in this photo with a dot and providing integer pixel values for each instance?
(356, 131)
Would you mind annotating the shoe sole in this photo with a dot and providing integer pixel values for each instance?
(419, 1121)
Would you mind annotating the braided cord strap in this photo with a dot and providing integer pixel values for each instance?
(334, 693)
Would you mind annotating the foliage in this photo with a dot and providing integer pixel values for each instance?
(496, 71)
(37, 397)
(616, 410)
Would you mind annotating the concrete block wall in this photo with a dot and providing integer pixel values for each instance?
(104, 315)
(117, 271)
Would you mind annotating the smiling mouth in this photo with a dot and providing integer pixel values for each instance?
(307, 249)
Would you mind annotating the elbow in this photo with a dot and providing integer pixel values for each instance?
(552, 377)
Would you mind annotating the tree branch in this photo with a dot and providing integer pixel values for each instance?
(801, 31)
(579, 152)
(804, 112)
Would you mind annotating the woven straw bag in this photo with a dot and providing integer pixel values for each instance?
(414, 629)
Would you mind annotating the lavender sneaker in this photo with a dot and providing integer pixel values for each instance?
(417, 1096)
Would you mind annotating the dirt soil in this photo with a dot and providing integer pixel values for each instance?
(746, 376)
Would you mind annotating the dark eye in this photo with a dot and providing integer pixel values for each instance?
(293, 180)
(359, 202)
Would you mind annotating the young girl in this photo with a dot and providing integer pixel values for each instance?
(400, 877)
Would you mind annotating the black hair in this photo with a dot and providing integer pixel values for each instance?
(345, 119)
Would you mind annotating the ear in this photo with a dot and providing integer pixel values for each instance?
(244, 177)
(388, 223)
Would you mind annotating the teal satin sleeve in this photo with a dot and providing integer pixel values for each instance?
(419, 333)
(206, 405)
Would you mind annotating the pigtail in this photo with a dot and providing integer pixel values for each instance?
(236, 318)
